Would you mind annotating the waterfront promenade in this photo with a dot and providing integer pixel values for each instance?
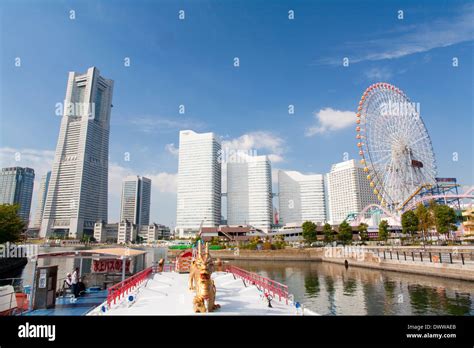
(447, 262)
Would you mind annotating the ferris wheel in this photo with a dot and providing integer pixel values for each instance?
(394, 145)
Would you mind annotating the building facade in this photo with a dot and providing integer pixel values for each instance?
(77, 192)
(16, 187)
(249, 192)
(154, 232)
(199, 183)
(301, 198)
(122, 232)
(43, 191)
(348, 190)
(135, 202)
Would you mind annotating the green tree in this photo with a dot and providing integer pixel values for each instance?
(309, 231)
(328, 233)
(345, 233)
(425, 219)
(11, 225)
(409, 223)
(445, 219)
(364, 235)
(383, 230)
(279, 242)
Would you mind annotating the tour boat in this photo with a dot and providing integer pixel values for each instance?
(166, 290)
(238, 292)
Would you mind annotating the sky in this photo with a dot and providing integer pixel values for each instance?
(289, 53)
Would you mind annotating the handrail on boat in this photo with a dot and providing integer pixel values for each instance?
(272, 287)
(124, 287)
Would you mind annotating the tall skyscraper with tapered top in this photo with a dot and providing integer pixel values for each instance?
(199, 183)
(77, 192)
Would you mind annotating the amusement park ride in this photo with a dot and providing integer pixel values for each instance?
(396, 152)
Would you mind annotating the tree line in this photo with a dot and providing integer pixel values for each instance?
(441, 217)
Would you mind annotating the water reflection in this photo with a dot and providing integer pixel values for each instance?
(330, 289)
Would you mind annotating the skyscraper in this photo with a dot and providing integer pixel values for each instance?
(43, 190)
(301, 197)
(249, 192)
(199, 182)
(77, 192)
(348, 190)
(16, 187)
(135, 204)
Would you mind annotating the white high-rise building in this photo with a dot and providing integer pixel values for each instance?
(301, 198)
(348, 190)
(43, 190)
(199, 183)
(135, 203)
(249, 192)
(77, 193)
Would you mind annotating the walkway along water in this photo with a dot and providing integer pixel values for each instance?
(439, 261)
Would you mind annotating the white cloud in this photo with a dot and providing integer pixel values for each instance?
(331, 120)
(408, 40)
(261, 142)
(379, 74)
(275, 158)
(172, 149)
(163, 182)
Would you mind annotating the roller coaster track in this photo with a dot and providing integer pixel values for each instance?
(469, 194)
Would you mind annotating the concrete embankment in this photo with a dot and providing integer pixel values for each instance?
(367, 260)
(310, 254)
(445, 270)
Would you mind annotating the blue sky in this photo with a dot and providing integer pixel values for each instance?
(190, 62)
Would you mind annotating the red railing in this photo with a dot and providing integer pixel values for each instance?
(121, 289)
(268, 285)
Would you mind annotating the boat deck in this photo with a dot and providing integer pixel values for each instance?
(82, 306)
(167, 293)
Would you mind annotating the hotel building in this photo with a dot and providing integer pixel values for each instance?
(77, 192)
(135, 202)
(348, 190)
(301, 198)
(249, 192)
(199, 183)
(43, 190)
